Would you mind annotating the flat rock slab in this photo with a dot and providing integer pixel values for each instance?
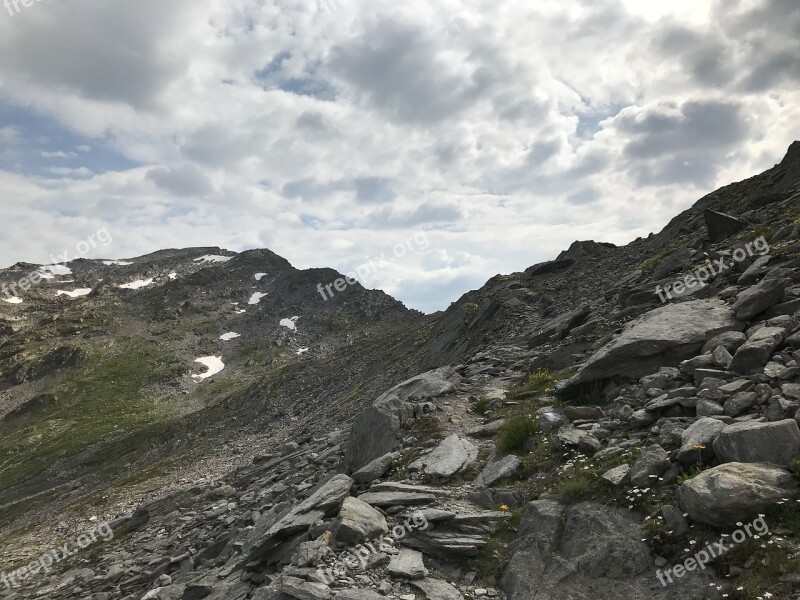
(436, 589)
(453, 456)
(408, 564)
(662, 337)
(358, 521)
(396, 498)
(496, 471)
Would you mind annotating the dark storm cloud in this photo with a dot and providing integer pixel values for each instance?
(186, 180)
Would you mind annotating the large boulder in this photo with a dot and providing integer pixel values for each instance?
(757, 351)
(697, 440)
(358, 521)
(777, 442)
(453, 456)
(662, 337)
(758, 298)
(586, 552)
(721, 226)
(734, 492)
(498, 470)
(376, 431)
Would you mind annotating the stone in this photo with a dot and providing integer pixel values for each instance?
(299, 589)
(750, 442)
(550, 421)
(651, 464)
(675, 519)
(721, 226)
(739, 403)
(702, 432)
(358, 521)
(662, 337)
(452, 457)
(408, 564)
(732, 492)
(784, 233)
(708, 408)
(586, 551)
(758, 350)
(396, 498)
(758, 298)
(487, 430)
(376, 431)
(436, 589)
(359, 595)
(618, 475)
(755, 271)
(375, 469)
(434, 543)
(496, 471)
(791, 390)
(730, 340)
(722, 358)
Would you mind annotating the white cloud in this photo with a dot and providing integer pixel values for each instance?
(331, 130)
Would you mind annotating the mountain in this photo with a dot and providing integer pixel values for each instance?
(570, 431)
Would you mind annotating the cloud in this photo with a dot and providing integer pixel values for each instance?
(186, 180)
(502, 131)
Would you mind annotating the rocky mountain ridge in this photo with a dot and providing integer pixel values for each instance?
(565, 432)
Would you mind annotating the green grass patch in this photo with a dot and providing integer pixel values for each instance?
(515, 433)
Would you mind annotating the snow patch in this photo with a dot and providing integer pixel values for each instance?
(135, 285)
(75, 293)
(256, 298)
(13, 300)
(119, 263)
(46, 275)
(229, 336)
(302, 351)
(214, 364)
(290, 323)
(258, 276)
(173, 276)
(213, 258)
(56, 269)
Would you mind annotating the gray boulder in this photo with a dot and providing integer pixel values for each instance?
(358, 521)
(739, 403)
(664, 336)
(375, 469)
(376, 431)
(757, 351)
(749, 442)
(730, 340)
(495, 471)
(453, 456)
(755, 300)
(722, 226)
(702, 432)
(586, 552)
(436, 589)
(408, 564)
(734, 491)
(651, 464)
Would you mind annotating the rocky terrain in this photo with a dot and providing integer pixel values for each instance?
(582, 430)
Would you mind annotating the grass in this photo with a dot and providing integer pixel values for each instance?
(482, 406)
(102, 406)
(492, 559)
(515, 434)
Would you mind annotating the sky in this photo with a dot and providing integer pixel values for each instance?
(442, 141)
